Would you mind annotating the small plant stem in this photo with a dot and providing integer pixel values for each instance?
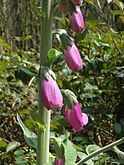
(103, 149)
(45, 46)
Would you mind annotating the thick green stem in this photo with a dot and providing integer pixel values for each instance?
(45, 46)
(103, 149)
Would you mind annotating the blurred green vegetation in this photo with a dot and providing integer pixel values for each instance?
(99, 86)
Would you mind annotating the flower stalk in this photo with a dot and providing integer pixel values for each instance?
(45, 46)
(103, 149)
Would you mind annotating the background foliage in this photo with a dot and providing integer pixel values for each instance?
(99, 85)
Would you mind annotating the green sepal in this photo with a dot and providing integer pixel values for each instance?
(65, 40)
(71, 7)
(46, 73)
(69, 98)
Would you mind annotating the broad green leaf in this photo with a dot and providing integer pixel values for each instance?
(89, 1)
(117, 12)
(81, 36)
(88, 95)
(119, 152)
(82, 155)
(118, 128)
(64, 21)
(36, 9)
(12, 145)
(28, 71)
(91, 148)
(3, 144)
(90, 87)
(24, 112)
(66, 134)
(53, 54)
(37, 119)
(70, 152)
(26, 38)
(119, 4)
(4, 43)
(92, 23)
(30, 137)
(58, 147)
(96, 43)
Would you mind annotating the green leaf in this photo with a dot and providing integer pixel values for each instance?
(59, 31)
(4, 43)
(37, 119)
(119, 4)
(91, 148)
(81, 36)
(117, 12)
(30, 137)
(58, 147)
(70, 152)
(82, 155)
(12, 145)
(96, 43)
(26, 38)
(28, 71)
(66, 134)
(89, 1)
(36, 9)
(118, 128)
(90, 87)
(119, 152)
(88, 95)
(53, 54)
(3, 144)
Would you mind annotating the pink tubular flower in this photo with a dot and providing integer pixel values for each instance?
(75, 117)
(51, 95)
(77, 21)
(73, 58)
(59, 161)
(77, 2)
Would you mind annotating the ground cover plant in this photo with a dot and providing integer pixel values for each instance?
(85, 51)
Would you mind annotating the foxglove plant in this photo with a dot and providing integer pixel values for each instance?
(71, 53)
(73, 112)
(77, 2)
(49, 92)
(77, 20)
(51, 95)
(59, 161)
(73, 58)
(75, 117)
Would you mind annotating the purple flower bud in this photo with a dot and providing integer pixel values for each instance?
(77, 2)
(51, 95)
(75, 117)
(77, 21)
(59, 161)
(73, 58)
